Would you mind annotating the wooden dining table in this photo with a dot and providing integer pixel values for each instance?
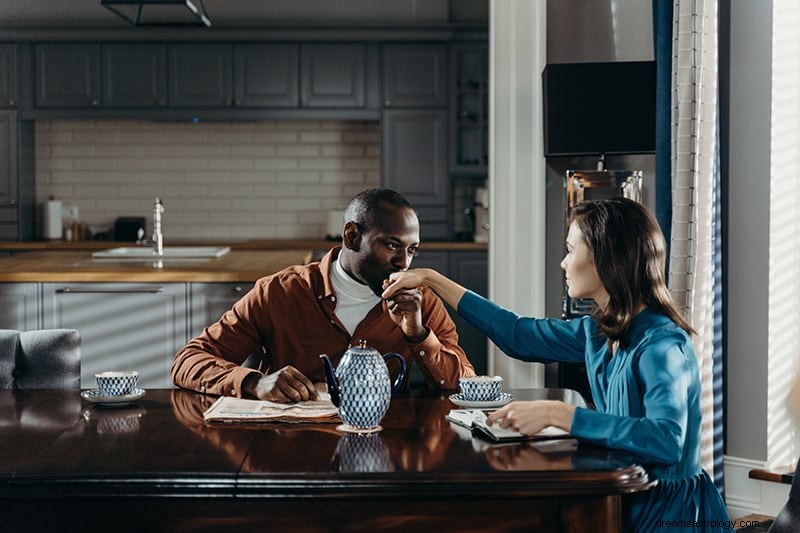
(154, 465)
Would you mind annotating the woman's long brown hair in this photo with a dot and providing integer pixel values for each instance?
(630, 256)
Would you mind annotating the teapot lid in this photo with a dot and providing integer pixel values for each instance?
(362, 343)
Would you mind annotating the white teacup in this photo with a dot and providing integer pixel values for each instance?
(117, 382)
(481, 388)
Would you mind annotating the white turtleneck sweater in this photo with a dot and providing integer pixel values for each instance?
(353, 299)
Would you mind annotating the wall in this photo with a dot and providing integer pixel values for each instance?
(243, 180)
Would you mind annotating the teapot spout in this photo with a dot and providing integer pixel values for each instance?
(330, 377)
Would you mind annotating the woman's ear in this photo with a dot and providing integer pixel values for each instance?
(351, 236)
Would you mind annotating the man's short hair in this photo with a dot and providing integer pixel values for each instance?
(365, 209)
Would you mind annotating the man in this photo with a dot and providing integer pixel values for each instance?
(303, 311)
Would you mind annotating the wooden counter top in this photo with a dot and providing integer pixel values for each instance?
(71, 266)
(255, 244)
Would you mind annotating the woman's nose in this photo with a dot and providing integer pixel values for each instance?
(563, 264)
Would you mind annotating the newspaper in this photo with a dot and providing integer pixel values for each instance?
(228, 410)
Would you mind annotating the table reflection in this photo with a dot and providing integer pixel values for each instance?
(362, 453)
(115, 422)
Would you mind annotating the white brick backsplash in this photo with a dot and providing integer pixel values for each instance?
(265, 179)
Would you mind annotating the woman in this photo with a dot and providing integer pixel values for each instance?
(640, 361)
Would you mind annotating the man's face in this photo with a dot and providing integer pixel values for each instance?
(387, 247)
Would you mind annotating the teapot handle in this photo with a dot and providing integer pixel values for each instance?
(403, 368)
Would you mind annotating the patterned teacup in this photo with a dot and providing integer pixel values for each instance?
(481, 388)
(117, 382)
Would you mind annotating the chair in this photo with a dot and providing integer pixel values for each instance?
(788, 519)
(40, 359)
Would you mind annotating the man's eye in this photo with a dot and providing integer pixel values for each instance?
(391, 246)
(412, 251)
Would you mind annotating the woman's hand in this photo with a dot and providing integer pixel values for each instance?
(398, 281)
(447, 289)
(530, 418)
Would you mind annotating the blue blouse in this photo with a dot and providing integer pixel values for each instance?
(647, 398)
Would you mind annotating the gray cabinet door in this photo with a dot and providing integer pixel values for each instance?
(134, 74)
(8, 75)
(471, 269)
(8, 159)
(266, 75)
(67, 74)
(469, 109)
(333, 75)
(209, 301)
(415, 154)
(200, 74)
(123, 326)
(415, 75)
(19, 306)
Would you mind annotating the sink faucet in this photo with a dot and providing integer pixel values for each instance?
(158, 237)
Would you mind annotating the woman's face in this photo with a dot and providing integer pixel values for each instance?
(582, 278)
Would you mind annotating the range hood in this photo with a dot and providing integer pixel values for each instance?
(160, 12)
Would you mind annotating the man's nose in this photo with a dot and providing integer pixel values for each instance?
(402, 260)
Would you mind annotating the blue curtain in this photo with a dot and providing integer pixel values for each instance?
(662, 46)
(662, 36)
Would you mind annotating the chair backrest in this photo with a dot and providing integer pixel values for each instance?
(788, 520)
(40, 359)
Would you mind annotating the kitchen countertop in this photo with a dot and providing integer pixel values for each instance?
(63, 261)
(253, 244)
(78, 266)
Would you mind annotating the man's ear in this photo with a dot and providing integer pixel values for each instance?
(351, 236)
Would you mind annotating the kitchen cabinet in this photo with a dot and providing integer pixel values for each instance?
(333, 75)
(266, 75)
(19, 306)
(67, 75)
(200, 74)
(414, 132)
(16, 177)
(414, 75)
(134, 74)
(470, 269)
(8, 161)
(414, 153)
(123, 326)
(8, 75)
(209, 301)
(469, 111)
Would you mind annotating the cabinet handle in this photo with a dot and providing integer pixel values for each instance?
(130, 290)
(95, 102)
(11, 102)
(237, 289)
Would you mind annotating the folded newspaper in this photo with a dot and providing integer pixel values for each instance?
(229, 410)
(475, 420)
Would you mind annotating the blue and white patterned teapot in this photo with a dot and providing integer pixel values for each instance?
(361, 388)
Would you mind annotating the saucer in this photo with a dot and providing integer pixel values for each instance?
(499, 401)
(94, 396)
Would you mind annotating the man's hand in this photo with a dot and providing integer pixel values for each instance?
(287, 385)
(405, 310)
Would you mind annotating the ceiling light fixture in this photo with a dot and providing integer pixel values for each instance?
(160, 12)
